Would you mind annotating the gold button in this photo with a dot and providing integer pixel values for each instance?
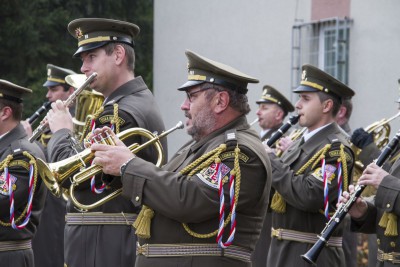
(388, 205)
(378, 241)
(393, 244)
(137, 199)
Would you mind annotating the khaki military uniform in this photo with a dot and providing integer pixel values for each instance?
(304, 196)
(259, 257)
(102, 243)
(15, 245)
(386, 200)
(177, 199)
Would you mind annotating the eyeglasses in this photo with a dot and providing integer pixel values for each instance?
(190, 95)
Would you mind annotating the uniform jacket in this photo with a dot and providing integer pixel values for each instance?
(386, 199)
(304, 196)
(178, 199)
(259, 257)
(17, 139)
(109, 245)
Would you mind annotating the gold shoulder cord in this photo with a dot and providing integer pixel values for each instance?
(197, 165)
(278, 204)
(89, 119)
(8, 161)
(115, 120)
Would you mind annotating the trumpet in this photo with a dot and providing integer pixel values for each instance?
(282, 130)
(86, 174)
(55, 174)
(38, 112)
(312, 255)
(67, 103)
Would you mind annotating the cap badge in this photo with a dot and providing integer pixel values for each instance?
(303, 75)
(48, 72)
(78, 33)
(265, 91)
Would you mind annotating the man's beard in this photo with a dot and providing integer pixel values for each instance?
(202, 124)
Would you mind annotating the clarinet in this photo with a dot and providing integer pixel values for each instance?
(38, 112)
(283, 129)
(67, 103)
(312, 255)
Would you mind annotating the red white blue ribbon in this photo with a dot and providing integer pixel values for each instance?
(326, 189)
(226, 244)
(11, 196)
(340, 179)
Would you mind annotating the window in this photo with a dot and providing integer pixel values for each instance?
(324, 44)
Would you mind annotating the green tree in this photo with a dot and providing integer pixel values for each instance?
(34, 33)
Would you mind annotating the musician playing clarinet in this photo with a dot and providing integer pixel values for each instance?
(273, 107)
(310, 174)
(378, 214)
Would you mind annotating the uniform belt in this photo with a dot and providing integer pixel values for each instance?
(15, 245)
(291, 235)
(393, 257)
(192, 250)
(99, 218)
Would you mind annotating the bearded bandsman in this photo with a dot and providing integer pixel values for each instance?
(208, 203)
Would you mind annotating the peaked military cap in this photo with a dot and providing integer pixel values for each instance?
(271, 95)
(316, 80)
(56, 75)
(13, 92)
(95, 32)
(202, 69)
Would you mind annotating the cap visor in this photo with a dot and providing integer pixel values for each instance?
(261, 101)
(88, 47)
(50, 83)
(189, 84)
(304, 88)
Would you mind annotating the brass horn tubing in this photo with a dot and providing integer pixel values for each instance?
(95, 169)
(377, 124)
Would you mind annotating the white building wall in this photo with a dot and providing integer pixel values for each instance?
(255, 37)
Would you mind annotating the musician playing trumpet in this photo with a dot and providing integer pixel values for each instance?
(310, 174)
(105, 237)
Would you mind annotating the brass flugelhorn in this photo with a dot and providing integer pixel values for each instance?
(87, 173)
(67, 103)
(381, 132)
(312, 255)
(45, 107)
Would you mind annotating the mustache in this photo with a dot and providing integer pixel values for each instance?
(187, 115)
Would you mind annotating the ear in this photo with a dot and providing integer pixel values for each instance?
(279, 114)
(327, 105)
(119, 53)
(342, 111)
(6, 113)
(221, 101)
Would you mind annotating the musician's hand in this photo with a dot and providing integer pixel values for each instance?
(27, 128)
(267, 148)
(111, 157)
(359, 208)
(284, 143)
(372, 175)
(59, 117)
